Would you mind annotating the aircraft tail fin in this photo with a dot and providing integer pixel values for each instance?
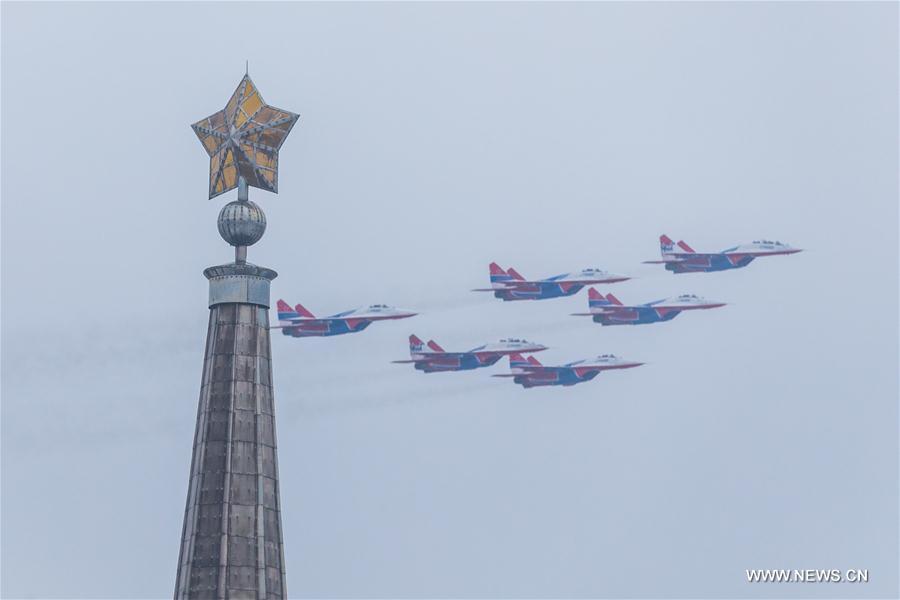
(515, 274)
(498, 275)
(613, 300)
(434, 346)
(597, 299)
(303, 312)
(534, 362)
(517, 361)
(683, 245)
(285, 312)
(415, 344)
(666, 245)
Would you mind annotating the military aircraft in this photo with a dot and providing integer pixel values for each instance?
(299, 322)
(607, 310)
(530, 373)
(431, 358)
(681, 258)
(509, 285)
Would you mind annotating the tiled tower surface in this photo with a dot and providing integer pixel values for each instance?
(231, 543)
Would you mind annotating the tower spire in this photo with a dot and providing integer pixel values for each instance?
(231, 542)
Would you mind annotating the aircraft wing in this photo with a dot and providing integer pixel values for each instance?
(434, 356)
(576, 281)
(596, 281)
(607, 310)
(299, 322)
(511, 285)
(582, 371)
(351, 320)
(369, 317)
(528, 370)
(535, 285)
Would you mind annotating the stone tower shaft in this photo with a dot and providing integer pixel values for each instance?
(231, 545)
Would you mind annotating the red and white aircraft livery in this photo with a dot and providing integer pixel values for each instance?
(510, 285)
(299, 322)
(681, 258)
(431, 358)
(607, 310)
(530, 373)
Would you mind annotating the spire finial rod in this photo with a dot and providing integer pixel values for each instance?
(243, 189)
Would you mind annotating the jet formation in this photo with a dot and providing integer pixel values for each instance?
(508, 285)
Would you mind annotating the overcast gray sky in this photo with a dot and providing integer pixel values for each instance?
(435, 138)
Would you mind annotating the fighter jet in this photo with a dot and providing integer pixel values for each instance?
(607, 310)
(530, 373)
(299, 322)
(508, 285)
(431, 358)
(681, 258)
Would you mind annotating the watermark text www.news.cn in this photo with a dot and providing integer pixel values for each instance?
(807, 575)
